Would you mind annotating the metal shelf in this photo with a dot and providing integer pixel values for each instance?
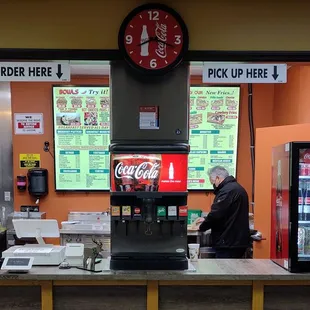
(304, 255)
(307, 177)
(304, 222)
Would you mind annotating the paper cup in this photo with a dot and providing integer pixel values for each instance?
(193, 249)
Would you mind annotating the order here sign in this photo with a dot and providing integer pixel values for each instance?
(244, 73)
(34, 71)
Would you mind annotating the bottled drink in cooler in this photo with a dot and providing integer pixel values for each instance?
(279, 212)
(301, 201)
(307, 201)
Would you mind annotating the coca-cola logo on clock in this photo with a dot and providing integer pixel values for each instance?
(148, 172)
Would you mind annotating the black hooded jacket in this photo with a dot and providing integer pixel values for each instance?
(229, 216)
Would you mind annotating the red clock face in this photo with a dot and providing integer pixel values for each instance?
(153, 39)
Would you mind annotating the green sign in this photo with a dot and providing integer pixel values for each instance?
(161, 211)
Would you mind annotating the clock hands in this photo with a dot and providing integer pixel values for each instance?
(147, 41)
(157, 40)
(168, 44)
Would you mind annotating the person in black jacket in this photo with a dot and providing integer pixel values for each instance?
(229, 216)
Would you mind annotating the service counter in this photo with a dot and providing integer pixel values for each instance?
(216, 284)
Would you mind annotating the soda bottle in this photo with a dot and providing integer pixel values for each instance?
(307, 201)
(301, 202)
(144, 38)
(171, 172)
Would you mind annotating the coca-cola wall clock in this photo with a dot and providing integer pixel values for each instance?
(153, 39)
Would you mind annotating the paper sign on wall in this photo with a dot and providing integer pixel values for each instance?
(28, 123)
(149, 117)
(28, 161)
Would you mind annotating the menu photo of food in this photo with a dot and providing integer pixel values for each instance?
(91, 103)
(61, 103)
(105, 103)
(76, 102)
(201, 103)
(90, 118)
(195, 120)
(216, 118)
(231, 103)
(68, 119)
(216, 104)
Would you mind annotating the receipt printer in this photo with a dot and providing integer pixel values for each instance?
(74, 254)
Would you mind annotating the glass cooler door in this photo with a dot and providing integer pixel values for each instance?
(303, 233)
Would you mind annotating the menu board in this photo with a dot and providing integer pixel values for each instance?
(213, 138)
(81, 137)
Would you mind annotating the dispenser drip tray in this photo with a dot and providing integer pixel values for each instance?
(148, 263)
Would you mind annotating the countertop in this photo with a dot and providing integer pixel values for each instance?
(206, 269)
(105, 233)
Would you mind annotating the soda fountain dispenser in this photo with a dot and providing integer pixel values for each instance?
(149, 207)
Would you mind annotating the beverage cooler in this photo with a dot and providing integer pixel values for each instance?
(148, 199)
(290, 216)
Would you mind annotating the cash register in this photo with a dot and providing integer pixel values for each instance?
(43, 254)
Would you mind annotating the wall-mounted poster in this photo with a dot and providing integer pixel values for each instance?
(81, 137)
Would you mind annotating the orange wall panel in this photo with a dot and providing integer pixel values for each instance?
(292, 100)
(287, 99)
(37, 98)
(266, 138)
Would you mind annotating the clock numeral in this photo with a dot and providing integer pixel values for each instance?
(129, 39)
(153, 15)
(153, 63)
(177, 39)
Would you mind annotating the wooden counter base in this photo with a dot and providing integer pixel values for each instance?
(76, 290)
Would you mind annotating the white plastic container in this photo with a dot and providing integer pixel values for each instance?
(193, 249)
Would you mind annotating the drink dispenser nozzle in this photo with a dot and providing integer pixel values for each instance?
(148, 213)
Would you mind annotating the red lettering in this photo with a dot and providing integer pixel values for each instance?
(68, 92)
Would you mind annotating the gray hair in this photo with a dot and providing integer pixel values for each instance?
(218, 171)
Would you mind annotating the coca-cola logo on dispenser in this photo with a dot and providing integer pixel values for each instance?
(145, 170)
(148, 172)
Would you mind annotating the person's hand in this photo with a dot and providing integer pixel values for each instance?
(197, 222)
